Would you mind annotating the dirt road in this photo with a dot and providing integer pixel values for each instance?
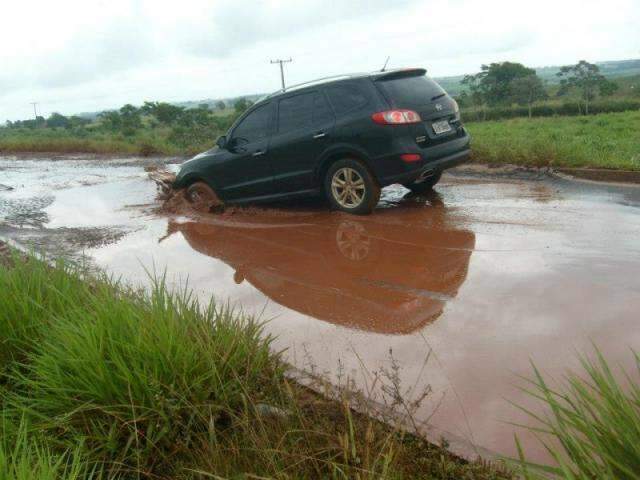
(453, 293)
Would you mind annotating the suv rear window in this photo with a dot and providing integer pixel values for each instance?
(409, 92)
(345, 97)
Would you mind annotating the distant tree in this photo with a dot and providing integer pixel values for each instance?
(111, 120)
(587, 79)
(165, 113)
(40, 121)
(527, 90)
(220, 105)
(241, 105)
(474, 94)
(131, 120)
(203, 106)
(609, 88)
(194, 117)
(57, 120)
(493, 83)
(76, 121)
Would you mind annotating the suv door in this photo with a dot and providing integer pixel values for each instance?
(247, 173)
(304, 126)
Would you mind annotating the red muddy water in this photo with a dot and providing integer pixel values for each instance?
(480, 278)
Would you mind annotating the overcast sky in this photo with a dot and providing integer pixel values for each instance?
(75, 56)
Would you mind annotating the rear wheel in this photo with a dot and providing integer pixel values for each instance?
(350, 187)
(426, 185)
(202, 197)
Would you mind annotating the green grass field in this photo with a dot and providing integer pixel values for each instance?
(602, 141)
(609, 140)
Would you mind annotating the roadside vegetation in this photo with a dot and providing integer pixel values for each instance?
(600, 141)
(101, 381)
(593, 426)
(582, 119)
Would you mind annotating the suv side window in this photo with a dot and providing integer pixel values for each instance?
(345, 97)
(322, 113)
(254, 126)
(295, 112)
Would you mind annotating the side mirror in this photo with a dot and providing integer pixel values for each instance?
(222, 142)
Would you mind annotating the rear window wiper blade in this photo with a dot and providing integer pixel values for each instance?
(438, 96)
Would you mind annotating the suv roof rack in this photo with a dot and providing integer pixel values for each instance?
(378, 74)
(312, 82)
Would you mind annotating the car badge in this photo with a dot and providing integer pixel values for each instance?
(438, 107)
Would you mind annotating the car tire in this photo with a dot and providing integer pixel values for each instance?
(351, 187)
(202, 197)
(424, 186)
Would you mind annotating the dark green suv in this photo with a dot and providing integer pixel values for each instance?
(345, 137)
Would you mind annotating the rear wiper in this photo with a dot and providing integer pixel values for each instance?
(438, 96)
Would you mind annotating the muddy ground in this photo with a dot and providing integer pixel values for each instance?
(451, 293)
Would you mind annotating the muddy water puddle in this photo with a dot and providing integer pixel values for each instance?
(480, 278)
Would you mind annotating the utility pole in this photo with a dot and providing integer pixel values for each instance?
(281, 62)
(35, 112)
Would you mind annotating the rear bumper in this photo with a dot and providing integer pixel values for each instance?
(437, 158)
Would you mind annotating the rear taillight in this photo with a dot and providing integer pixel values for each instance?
(411, 157)
(396, 117)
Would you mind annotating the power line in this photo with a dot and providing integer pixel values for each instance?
(281, 62)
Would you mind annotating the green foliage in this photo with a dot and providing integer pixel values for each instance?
(241, 105)
(111, 120)
(548, 109)
(220, 105)
(57, 120)
(140, 378)
(22, 457)
(493, 84)
(527, 90)
(587, 79)
(594, 421)
(165, 113)
(130, 119)
(603, 141)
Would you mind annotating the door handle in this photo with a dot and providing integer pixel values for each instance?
(258, 153)
(320, 135)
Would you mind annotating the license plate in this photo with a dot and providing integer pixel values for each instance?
(442, 126)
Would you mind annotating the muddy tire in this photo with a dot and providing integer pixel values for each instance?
(351, 187)
(202, 197)
(424, 186)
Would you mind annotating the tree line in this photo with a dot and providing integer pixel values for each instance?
(129, 118)
(507, 83)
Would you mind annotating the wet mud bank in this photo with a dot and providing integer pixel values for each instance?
(451, 293)
(525, 172)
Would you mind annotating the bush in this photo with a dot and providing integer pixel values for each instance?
(547, 109)
(138, 377)
(23, 458)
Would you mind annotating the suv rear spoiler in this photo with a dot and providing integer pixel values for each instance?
(403, 73)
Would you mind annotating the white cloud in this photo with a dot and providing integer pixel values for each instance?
(76, 56)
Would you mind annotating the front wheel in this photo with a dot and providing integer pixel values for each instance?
(350, 187)
(202, 197)
(425, 185)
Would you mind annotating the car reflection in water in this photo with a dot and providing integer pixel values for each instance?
(391, 272)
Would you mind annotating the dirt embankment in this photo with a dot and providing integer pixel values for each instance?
(528, 172)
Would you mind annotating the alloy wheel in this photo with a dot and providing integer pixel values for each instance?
(348, 187)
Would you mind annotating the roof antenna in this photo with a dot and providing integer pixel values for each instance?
(385, 64)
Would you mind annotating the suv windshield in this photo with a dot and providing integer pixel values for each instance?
(409, 92)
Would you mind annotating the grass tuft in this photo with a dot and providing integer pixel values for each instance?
(593, 424)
